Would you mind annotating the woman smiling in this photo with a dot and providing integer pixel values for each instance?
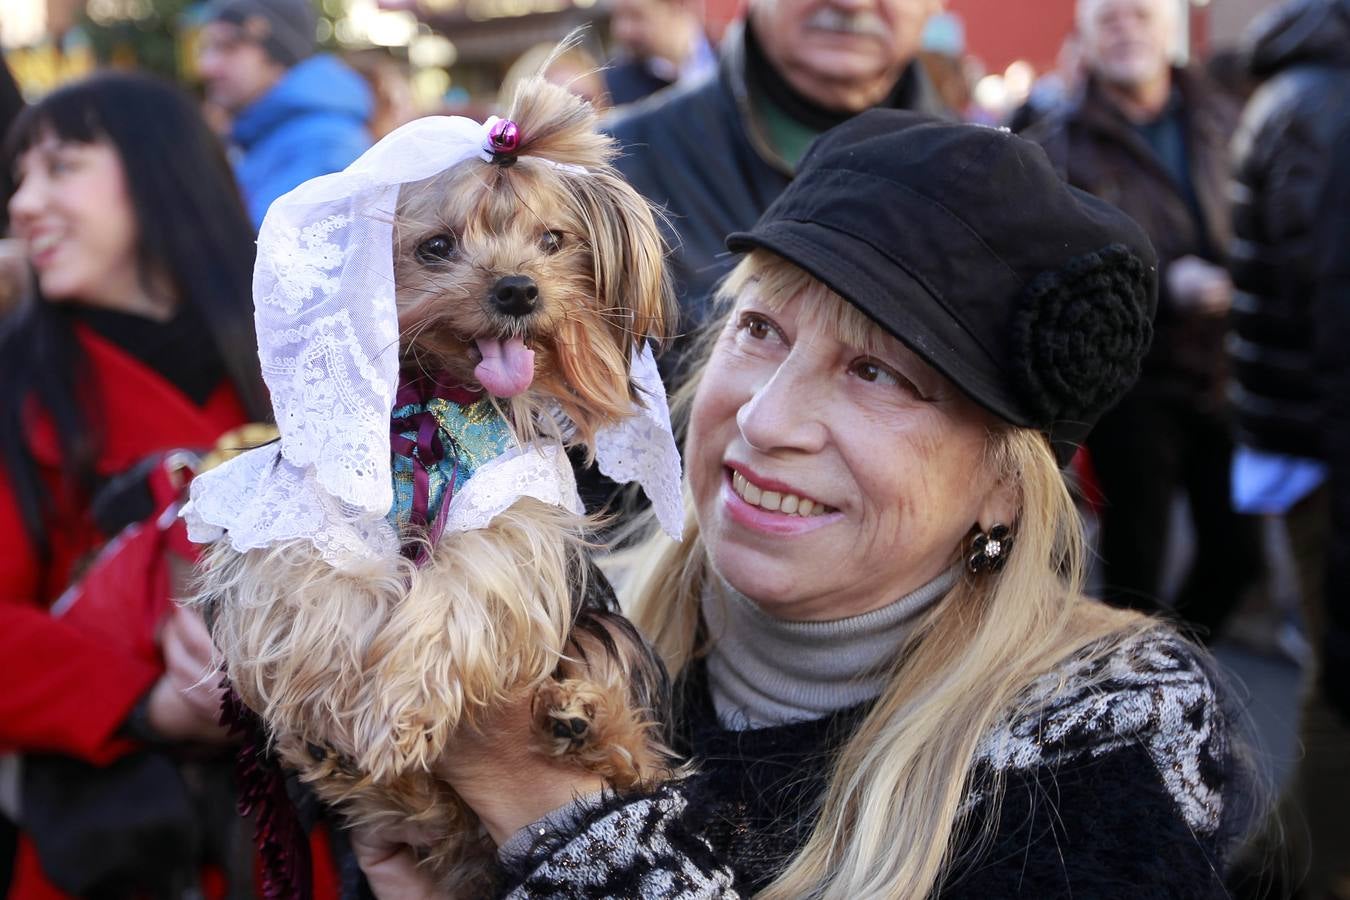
(890, 681)
(138, 342)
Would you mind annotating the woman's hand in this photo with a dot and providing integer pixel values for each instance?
(497, 770)
(1199, 287)
(387, 859)
(184, 705)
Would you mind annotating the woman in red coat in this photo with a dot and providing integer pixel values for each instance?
(139, 339)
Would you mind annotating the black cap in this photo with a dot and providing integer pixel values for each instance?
(1034, 298)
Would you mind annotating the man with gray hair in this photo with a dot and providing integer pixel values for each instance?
(1152, 138)
(296, 114)
(717, 153)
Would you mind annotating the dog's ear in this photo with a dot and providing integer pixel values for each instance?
(632, 286)
(632, 300)
(628, 249)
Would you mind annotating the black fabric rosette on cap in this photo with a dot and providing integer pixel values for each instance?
(1079, 335)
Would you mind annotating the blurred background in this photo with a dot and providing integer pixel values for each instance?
(434, 54)
(1219, 495)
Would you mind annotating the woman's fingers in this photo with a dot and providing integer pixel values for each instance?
(389, 865)
(189, 668)
(175, 718)
(181, 663)
(193, 633)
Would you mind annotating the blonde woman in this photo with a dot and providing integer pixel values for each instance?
(889, 680)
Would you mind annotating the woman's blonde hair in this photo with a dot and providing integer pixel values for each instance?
(966, 667)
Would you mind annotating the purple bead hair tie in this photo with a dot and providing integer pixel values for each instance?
(504, 137)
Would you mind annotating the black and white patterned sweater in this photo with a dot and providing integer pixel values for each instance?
(1119, 785)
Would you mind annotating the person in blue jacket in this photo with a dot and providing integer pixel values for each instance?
(296, 115)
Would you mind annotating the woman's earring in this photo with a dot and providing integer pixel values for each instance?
(989, 551)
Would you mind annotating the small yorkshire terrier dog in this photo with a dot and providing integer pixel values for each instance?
(525, 283)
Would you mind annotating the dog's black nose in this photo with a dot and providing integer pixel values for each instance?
(514, 295)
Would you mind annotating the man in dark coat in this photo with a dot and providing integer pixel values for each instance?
(1153, 140)
(1300, 52)
(1331, 306)
(1282, 151)
(1291, 378)
(715, 155)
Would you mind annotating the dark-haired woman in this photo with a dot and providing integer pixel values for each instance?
(139, 340)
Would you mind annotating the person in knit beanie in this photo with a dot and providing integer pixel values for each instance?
(284, 29)
(297, 113)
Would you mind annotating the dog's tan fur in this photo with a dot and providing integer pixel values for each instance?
(603, 287)
(364, 677)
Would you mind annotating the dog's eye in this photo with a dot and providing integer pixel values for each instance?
(436, 249)
(551, 242)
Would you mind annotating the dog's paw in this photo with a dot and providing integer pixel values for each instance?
(402, 749)
(333, 776)
(565, 714)
(594, 727)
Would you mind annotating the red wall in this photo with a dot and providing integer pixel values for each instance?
(1000, 31)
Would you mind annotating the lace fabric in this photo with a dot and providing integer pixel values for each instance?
(540, 471)
(260, 499)
(642, 448)
(327, 325)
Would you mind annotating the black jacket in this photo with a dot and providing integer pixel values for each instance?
(1118, 781)
(699, 152)
(1098, 150)
(630, 80)
(1331, 311)
(1282, 154)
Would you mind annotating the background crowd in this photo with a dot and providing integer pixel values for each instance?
(1219, 488)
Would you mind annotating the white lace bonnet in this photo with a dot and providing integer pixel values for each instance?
(323, 290)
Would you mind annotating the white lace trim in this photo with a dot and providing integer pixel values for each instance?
(542, 472)
(330, 405)
(642, 448)
(258, 499)
(327, 329)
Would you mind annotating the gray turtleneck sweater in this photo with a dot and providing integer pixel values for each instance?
(765, 671)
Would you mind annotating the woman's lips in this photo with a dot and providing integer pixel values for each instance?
(786, 502)
(757, 517)
(41, 249)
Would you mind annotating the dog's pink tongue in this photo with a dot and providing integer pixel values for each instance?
(507, 367)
